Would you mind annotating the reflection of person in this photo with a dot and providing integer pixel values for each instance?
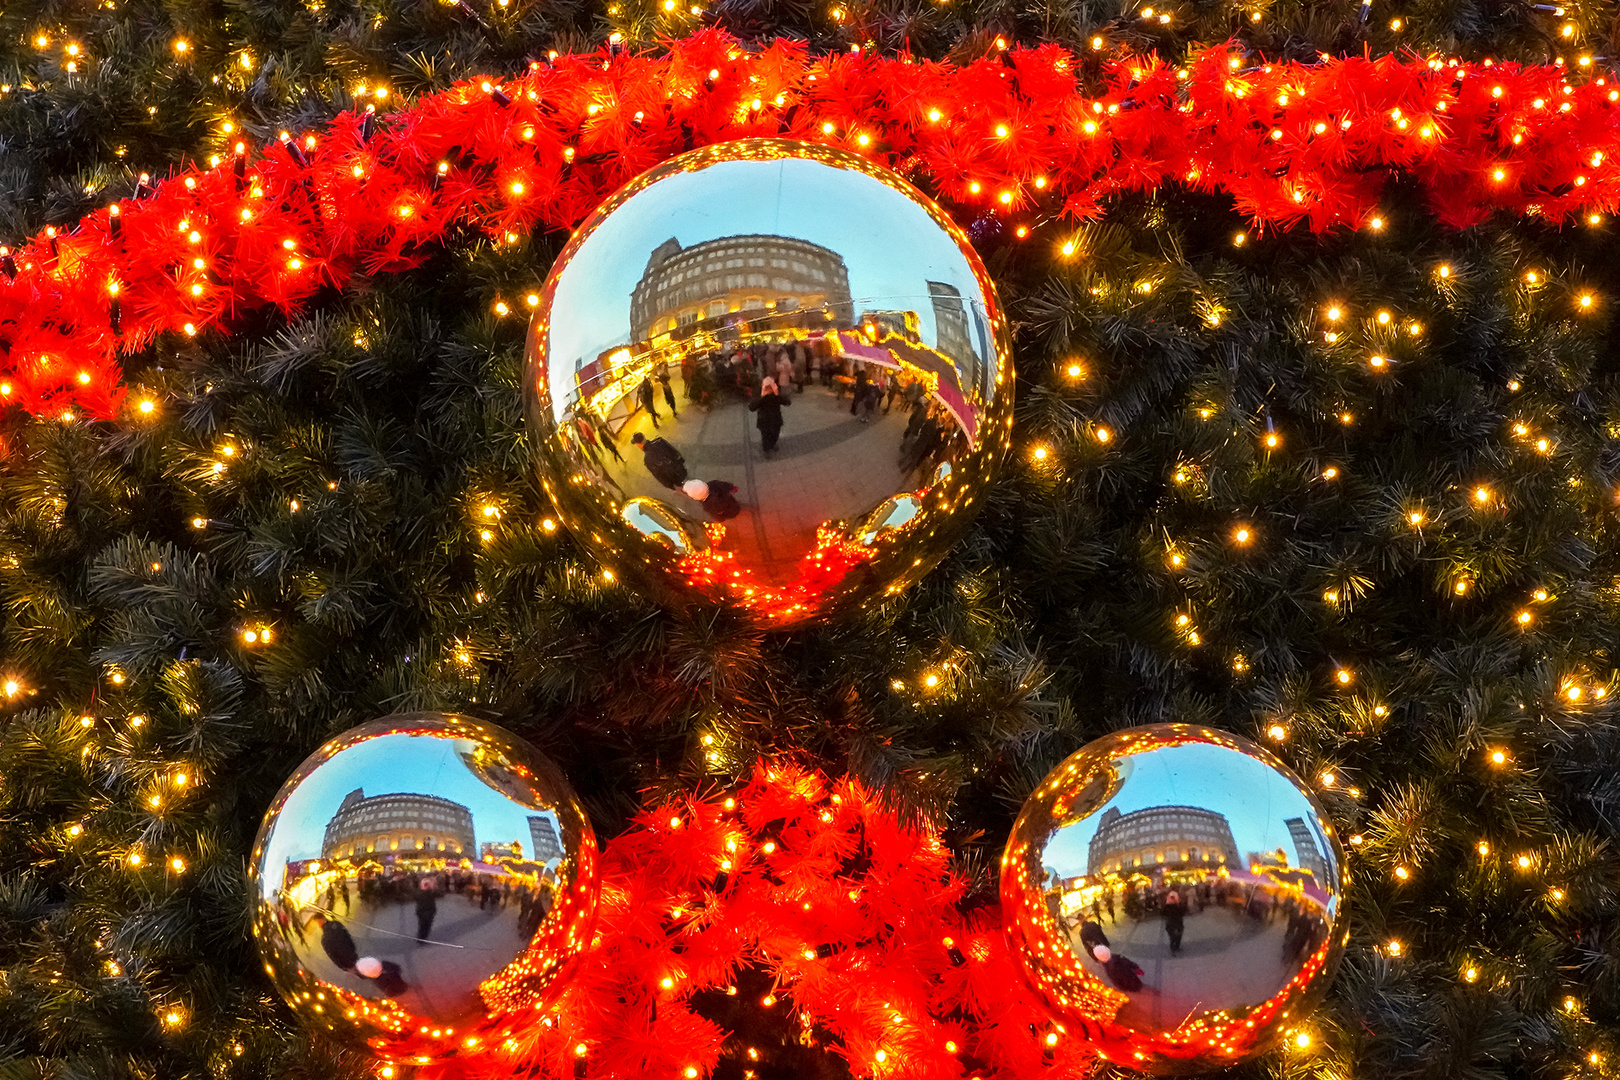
(662, 460)
(1122, 970)
(427, 906)
(717, 496)
(644, 393)
(336, 941)
(784, 373)
(1091, 936)
(1175, 915)
(661, 373)
(769, 407)
(929, 436)
(389, 976)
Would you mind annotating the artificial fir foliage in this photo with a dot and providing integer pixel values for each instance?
(1401, 576)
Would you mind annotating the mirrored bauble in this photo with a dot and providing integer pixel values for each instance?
(806, 334)
(422, 884)
(1175, 894)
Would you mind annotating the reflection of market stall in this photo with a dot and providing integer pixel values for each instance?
(891, 365)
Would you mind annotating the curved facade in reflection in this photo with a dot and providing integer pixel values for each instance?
(734, 274)
(1133, 916)
(1161, 836)
(383, 823)
(802, 332)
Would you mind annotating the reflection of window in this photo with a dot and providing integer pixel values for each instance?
(755, 279)
(753, 302)
(717, 308)
(819, 275)
(756, 262)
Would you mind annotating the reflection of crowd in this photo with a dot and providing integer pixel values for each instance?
(1258, 903)
(768, 376)
(491, 892)
(372, 889)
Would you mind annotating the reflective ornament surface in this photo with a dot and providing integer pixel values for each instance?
(423, 884)
(798, 328)
(1176, 894)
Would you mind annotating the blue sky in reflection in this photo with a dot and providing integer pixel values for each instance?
(1255, 799)
(890, 245)
(386, 765)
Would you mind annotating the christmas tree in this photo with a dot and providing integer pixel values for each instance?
(1348, 491)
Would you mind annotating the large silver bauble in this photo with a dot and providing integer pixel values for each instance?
(1175, 894)
(422, 884)
(759, 260)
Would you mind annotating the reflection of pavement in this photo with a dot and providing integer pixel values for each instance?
(1227, 960)
(828, 465)
(441, 982)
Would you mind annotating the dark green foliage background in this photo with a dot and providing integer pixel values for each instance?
(391, 416)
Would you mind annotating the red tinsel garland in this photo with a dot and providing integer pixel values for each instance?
(851, 911)
(1011, 134)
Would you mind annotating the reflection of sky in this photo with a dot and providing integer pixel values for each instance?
(389, 765)
(1255, 799)
(890, 245)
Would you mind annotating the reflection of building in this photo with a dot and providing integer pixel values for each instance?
(1305, 849)
(543, 831)
(397, 823)
(951, 326)
(490, 852)
(1273, 859)
(736, 273)
(956, 338)
(1160, 836)
(899, 323)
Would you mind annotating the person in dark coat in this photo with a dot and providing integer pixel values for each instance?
(717, 496)
(336, 942)
(427, 906)
(1175, 920)
(644, 393)
(662, 460)
(769, 406)
(1122, 970)
(661, 373)
(928, 439)
(862, 382)
(1091, 936)
(389, 976)
(919, 414)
